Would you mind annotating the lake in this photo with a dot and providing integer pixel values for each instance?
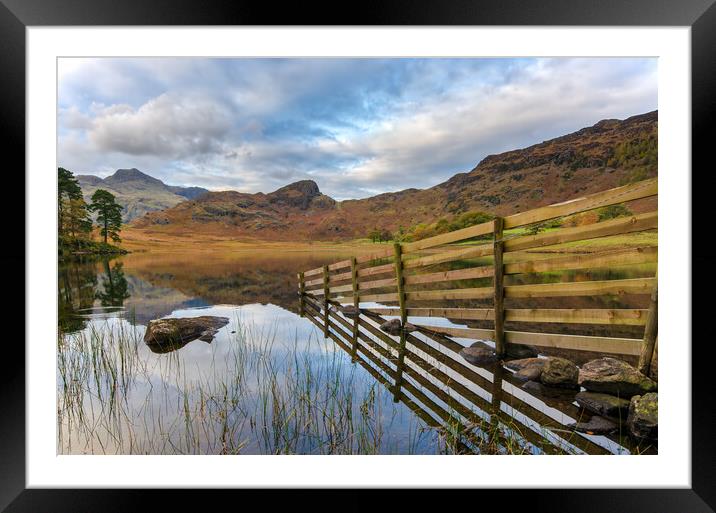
(269, 382)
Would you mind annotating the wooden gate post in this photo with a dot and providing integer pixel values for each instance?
(326, 304)
(398, 255)
(650, 332)
(301, 295)
(499, 300)
(356, 303)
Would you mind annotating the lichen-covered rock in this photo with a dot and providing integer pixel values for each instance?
(643, 419)
(603, 404)
(479, 353)
(595, 426)
(520, 351)
(616, 377)
(183, 330)
(559, 372)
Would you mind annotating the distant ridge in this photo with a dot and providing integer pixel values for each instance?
(607, 154)
(138, 192)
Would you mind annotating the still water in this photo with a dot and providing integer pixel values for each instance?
(268, 383)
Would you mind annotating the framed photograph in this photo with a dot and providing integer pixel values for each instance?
(416, 248)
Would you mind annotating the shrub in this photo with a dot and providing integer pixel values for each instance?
(612, 212)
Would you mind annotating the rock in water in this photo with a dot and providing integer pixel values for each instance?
(559, 372)
(479, 353)
(596, 426)
(525, 363)
(615, 377)
(350, 311)
(527, 369)
(643, 419)
(183, 330)
(603, 404)
(391, 327)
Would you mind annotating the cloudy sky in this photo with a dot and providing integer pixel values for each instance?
(356, 126)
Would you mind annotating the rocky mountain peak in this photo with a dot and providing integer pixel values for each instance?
(298, 194)
(130, 175)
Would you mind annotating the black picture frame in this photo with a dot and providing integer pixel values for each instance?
(17, 15)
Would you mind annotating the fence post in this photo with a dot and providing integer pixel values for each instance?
(499, 302)
(356, 303)
(326, 304)
(301, 294)
(496, 401)
(650, 332)
(398, 255)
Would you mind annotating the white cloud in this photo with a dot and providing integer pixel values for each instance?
(356, 127)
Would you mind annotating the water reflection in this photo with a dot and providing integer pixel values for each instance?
(269, 382)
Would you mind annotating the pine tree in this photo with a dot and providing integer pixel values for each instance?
(109, 214)
(67, 190)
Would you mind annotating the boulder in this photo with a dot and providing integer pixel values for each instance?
(183, 330)
(528, 374)
(595, 426)
(527, 369)
(615, 377)
(643, 418)
(520, 351)
(603, 404)
(479, 353)
(559, 372)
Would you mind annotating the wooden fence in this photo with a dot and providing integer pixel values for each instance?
(402, 275)
(472, 275)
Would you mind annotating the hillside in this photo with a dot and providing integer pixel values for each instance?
(608, 154)
(138, 192)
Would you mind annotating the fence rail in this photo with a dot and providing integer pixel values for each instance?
(476, 274)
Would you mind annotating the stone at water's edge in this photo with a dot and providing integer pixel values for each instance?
(528, 374)
(527, 369)
(615, 377)
(479, 353)
(394, 327)
(350, 311)
(595, 426)
(643, 419)
(559, 372)
(603, 404)
(526, 363)
(185, 329)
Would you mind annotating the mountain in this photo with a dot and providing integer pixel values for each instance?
(138, 192)
(608, 154)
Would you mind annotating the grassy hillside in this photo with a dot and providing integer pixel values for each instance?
(606, 155)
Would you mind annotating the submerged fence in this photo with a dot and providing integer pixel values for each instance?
(482, 274)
